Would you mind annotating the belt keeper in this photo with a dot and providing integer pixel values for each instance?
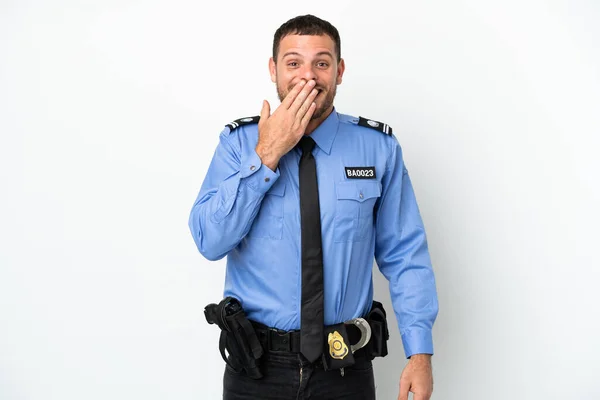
(287, 339)
(269, 342)
(282, 338)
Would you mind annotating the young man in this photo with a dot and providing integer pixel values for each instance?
(301, 200)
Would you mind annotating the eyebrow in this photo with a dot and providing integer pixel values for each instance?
(325, 53)
(294, 53)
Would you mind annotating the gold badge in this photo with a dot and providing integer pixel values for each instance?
(337, 347)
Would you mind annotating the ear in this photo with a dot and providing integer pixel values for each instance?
(340, 71)
(273, 70)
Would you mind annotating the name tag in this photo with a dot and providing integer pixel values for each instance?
(360, 172)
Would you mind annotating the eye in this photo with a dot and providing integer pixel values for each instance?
(292, 64)
(322, 64)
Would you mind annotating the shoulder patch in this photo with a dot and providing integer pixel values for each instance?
(243, 121)
(378, 126)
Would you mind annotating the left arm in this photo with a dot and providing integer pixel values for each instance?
(402, 256)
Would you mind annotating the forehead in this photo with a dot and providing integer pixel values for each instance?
(306, 44)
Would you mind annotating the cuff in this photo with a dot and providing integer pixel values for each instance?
(257, 176)
(417, 341)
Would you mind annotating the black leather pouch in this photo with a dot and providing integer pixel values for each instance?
(377, 346)
(337, 352)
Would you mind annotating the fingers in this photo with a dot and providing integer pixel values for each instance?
(306, 91)
(404, 388)
(291, 96)
(306, 118)
(306, 104)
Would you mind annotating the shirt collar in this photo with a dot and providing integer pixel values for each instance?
(325, 133)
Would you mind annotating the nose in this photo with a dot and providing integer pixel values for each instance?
(307, 73)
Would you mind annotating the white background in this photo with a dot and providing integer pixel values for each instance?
(109, 115)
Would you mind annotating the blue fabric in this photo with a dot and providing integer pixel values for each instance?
(250, 214)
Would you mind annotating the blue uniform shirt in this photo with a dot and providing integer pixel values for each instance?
(250, 214)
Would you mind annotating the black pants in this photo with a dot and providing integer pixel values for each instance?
(289, 376)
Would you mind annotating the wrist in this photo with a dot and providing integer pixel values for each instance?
(267, 157)
(421, 358)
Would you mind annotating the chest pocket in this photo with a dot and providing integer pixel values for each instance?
(354, 209)
(269, 220)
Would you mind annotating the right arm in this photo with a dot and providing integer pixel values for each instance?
(229, 199)
(233, 189)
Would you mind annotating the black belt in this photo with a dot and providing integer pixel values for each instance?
(289, 341)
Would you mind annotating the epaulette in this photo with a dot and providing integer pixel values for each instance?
(378, 126)
(243, 121)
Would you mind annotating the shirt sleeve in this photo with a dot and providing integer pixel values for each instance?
(229, 199)
(402, 255)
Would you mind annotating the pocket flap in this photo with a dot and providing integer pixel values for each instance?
(359, 191)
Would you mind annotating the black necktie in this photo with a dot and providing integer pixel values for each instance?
(311, 328)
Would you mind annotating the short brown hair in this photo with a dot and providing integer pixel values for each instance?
(307, 25)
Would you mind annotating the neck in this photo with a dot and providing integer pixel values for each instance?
(314, 123)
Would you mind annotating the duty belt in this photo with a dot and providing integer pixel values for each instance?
(272, 339)
(246, 340)
(347, 342)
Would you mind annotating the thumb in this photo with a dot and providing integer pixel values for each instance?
(266, 111)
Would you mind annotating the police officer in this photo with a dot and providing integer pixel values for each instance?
(251, 209)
